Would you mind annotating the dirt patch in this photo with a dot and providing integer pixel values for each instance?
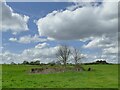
(46, 70)
(53, 70)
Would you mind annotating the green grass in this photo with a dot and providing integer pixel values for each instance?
(18, 76)
(0, 77)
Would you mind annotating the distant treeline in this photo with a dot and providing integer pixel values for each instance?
(58, 63)
(37, 63)
(28, 63)
(97, 62)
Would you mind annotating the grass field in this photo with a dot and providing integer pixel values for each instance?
(18, 76)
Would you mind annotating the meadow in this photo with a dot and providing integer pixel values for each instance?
(101, 76)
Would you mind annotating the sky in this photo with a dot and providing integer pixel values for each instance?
(34, 30)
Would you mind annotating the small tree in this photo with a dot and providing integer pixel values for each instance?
(77, 56)
(37, 62)
(51, 63)
(25, 62)
(13, 63)
(63, 54)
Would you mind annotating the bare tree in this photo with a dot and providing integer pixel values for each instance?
(63, 54)
(77, 56)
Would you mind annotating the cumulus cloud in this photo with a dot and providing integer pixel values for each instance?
(80, 23)
(13, 39)
(107, 45)
(111, 50)
(98, 24)
(45, 55)
(41, 52)
(102, 42)
(85, 21)
(8, 57)
(110, 58)
(28, 39)
(43, 45)
(12, 21)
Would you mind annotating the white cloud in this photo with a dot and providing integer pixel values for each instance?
(100, 23)
(13, 39)
(93, 43)
(102, 42)
(80, 4)
(42, 45)
(12, 21)
(113, 58)
(42, 52)
(45, 55)
(111, 50)
(108, 47)
(8, 57)
(80, 23)
(28, 39)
